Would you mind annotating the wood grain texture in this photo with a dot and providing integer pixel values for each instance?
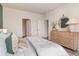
(66, 39)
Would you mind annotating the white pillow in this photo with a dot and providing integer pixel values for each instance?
(2, 44)
(14, 42)
(2, 47)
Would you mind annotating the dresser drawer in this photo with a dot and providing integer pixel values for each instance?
(68, 43)
(67, 39)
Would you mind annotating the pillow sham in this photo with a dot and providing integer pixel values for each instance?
(12, 43)
(15, 42)
(8, 42)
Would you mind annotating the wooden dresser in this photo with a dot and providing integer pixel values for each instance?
(66, 39)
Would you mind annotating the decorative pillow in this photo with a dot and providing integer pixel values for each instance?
(12, 43)
(8, 42)
(22, 43)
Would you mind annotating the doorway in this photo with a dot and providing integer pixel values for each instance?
(26, 27)
(47, 27)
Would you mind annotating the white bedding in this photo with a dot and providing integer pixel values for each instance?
(20, 52)
(47, 48)
(24, 52)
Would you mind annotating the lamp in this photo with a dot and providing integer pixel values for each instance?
(72, 24)
(4, 30)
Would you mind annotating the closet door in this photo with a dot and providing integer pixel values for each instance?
(42, 28)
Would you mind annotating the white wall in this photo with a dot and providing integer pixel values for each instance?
(12, 20)
(69, 10)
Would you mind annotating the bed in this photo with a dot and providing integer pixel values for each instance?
(37, 46)
(24, 52)
(43, 47)
(20, 51)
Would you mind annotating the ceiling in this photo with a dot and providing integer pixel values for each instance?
(34, 7)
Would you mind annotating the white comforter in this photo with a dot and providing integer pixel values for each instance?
(44, 47)
(24, 51)
(20, 51)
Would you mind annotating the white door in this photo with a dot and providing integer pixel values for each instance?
(42, 28)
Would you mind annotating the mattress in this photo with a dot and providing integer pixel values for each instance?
(43, 47)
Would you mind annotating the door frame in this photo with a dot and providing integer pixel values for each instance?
(24, 30)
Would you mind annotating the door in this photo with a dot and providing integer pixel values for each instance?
(26, 23)
(43, 28)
